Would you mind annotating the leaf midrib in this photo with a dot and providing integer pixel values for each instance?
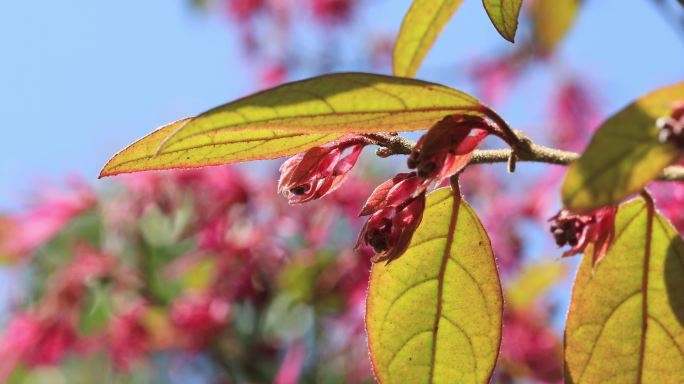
(456, 204)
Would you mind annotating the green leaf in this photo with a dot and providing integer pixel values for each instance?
(623, 155)
(504, 15)
(97, 310)
(532, 283)
(292, 118)
(626, 315)
(434, 314)
(551, 22)
(423, 22)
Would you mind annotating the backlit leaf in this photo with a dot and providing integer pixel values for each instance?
(292, 118)
(626, 316)
(504, 15)
(532, 283)
(624, 154)
(434, 314)
(551, 21)
(423, 22)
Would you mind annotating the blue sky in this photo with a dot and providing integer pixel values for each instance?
(80, 79)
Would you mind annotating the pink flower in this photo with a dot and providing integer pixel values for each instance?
(575, 115)
(26, 232)
(128, 337)
(320, 170)
(273, 75)
(495, 76)
(332, 11)
(530, 349)
(201, 317)
(447, 147)
(35, 340)
(291, 367)
(669, 198)
(69, 285)
(244, 9)
(580, 230)
(395, 212)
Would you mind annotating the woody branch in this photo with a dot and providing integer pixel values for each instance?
(396, 145)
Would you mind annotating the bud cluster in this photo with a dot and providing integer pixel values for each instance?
(672, 127)
(579, 230)
(447, 147)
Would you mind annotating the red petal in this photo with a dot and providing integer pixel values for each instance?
(378, 198)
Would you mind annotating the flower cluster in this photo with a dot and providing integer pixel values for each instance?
(580, 230)
(395, 208)
(672, 127)
(192, 265)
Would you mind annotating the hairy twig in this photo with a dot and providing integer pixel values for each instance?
(529, 152)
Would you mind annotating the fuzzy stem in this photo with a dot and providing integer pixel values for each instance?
(397, 145)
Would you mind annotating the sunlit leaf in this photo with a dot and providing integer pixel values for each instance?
(434, 314)
(551, 22)
(292, 118)
(532, 283)
(624, 154)
(201, 275)
(626, 319)
(504, 15)
(423, 22)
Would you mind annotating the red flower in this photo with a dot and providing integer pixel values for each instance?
(332, 11)
(200, 316)
(447, 147)
(531, 349)
(672, 127)
(244, 9)
(291, 367)
(35, 340)
(575, 113)
(395, 212)
(128, 337)
(319, 171)
(580, 230)
(27, 232)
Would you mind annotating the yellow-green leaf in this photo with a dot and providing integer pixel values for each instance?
(504, 15)
(423, 22)
(434, 314)
(532, 283)
(551, 22)
(623, 155)
(292, 118)
(626, 316)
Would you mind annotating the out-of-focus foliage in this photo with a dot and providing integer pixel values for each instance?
(192, 266)
(551, 22)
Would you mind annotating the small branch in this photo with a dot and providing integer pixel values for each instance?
(397, 145)
(675, 19)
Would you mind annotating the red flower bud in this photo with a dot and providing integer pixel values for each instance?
(395, 212)
(319, 171)
(447, 147)
(672, 127)
(580, 230)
